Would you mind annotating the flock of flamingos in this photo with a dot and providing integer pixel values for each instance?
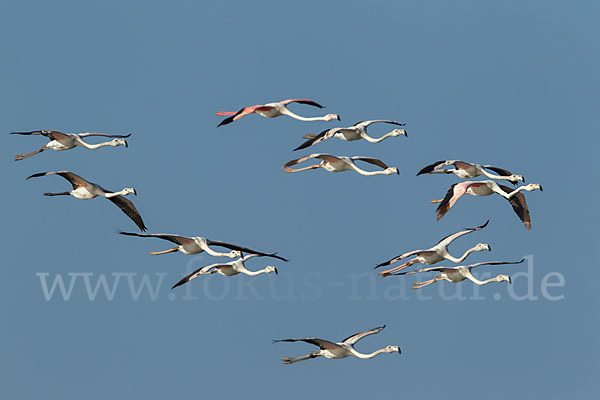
(84, 189)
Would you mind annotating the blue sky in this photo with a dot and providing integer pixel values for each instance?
(513, 84)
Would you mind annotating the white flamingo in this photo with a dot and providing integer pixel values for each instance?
(341, 163)
(435, 254)
(85, 190)
(276, 109)
(487, 188)
(342, 349)
(355, 132)
(466, 170)
(197, 244)
(65, 141)
(460, 273)
(227, 269)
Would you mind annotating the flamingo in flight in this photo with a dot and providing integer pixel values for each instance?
(85, 190)
(195, 245)
(272, 110)
(65, 141)
(435, 254)
(355, 132)
(487, 188)
(466, 170)
(341, 163)
(342, 349)
(227, 269)
(460, 273)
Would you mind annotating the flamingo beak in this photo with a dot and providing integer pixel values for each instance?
(276, 272)
(541, 188)
(134, 192)
(509, 281)
(338, 118)
(126, 144)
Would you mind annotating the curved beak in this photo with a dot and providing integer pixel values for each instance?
(276, 272)
(134, 192)
(399, 351)
(126, 144)
(338, 118)
(541, 188)
(405, 133)
(509, 281)
(489, 248)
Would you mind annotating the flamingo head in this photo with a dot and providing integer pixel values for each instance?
(516, 178)
(127, 191)
(482, 247)
(119, 142)
(235, 254)
(331, 117)
(270, 269)
(501, 278)
(392, 170)
(393, 349)
(399, 132)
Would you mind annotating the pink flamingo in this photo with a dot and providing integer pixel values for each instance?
(272, 110)
(487, 188)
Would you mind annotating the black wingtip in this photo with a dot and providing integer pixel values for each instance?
(274, 255)
(306, 144)
(127, 233)
(226, 121)
(302, 146)
(480, 226)
(35, 175)
(181, 282)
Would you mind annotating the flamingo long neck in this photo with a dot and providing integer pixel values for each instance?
(461, 259)
(377, 140)
(287, 112)
(204, 246)
(254, 273)
(94, 146)
(113, 194)
(370, 355)
(366, 173)
(492, 176)
(477, 281)
(517, 190)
